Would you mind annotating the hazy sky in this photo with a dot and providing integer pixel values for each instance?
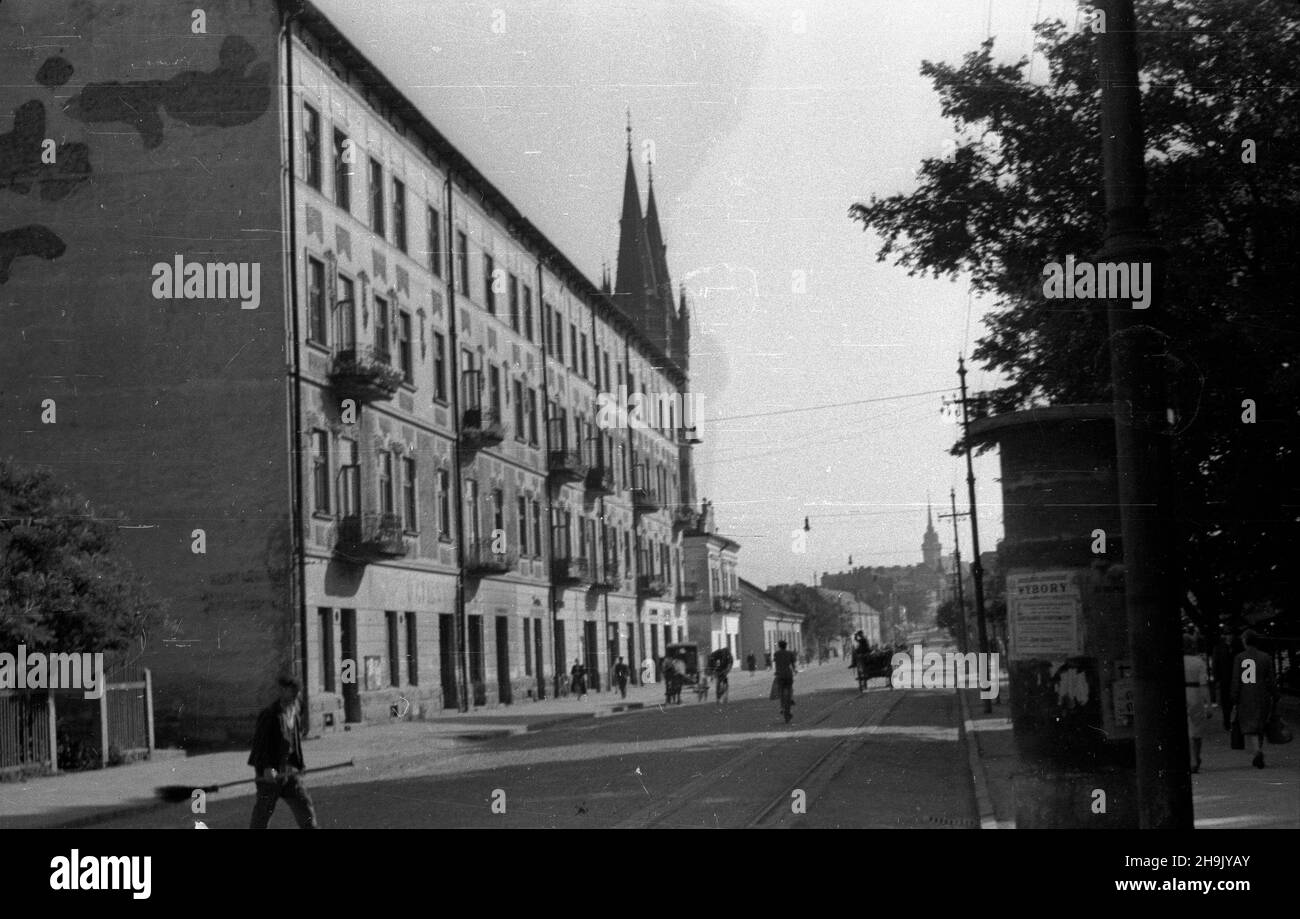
(767, 120)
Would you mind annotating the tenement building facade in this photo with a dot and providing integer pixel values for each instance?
(408, 491)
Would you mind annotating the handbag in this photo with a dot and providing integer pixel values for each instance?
(1238, 740)
(1276, 730)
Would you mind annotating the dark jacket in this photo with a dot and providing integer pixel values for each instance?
(273, 746)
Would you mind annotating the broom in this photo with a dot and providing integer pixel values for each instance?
(174, 794)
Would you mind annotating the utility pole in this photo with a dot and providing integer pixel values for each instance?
(956, 554)
(976, 568)
(1142, 436)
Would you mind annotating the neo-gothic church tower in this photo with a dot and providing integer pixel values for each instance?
(643, 289)
(931, 551)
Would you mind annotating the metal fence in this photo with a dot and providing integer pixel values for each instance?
(26, 731)
(122, 717)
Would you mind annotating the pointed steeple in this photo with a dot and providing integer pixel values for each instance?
(931, 551)
(630, 281)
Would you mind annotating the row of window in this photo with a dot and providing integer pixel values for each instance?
(584, 357)
(398, 495)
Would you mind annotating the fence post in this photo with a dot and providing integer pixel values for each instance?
(54, 741)
(103, 726)
(148, 705)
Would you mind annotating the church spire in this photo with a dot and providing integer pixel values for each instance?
(931, 551)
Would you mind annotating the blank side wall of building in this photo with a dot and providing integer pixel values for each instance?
(170, 398)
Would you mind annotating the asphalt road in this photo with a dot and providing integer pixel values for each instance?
(886, 759)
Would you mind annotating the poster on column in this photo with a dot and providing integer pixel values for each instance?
(1043, 613)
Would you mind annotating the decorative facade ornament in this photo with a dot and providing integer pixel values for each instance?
(343, 241)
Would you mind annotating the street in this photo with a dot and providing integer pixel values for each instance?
(886, 759)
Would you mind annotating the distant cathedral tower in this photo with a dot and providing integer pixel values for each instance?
(931, 552)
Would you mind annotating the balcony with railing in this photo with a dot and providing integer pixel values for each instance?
(572, 571)
(650, 585)
(481, 427)
(481, 560)
(610, 576)
(685, 518)
(727, 603)
(364, 374)
(480, 423)
(567, 465)
(600, 479)
(364, 538)
(645, 497)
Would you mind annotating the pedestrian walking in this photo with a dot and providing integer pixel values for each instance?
(578, 680)
(277, 760)
(670, 680)
(1225, 650)
(786, 663)
(648, 670)
(620, 677)
(1254, 693)
(750, 663)
(768, 656)
(1197, 692)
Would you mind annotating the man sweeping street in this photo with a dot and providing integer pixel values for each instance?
(277, 760)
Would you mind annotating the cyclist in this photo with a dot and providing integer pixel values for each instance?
(784, 663)
(721, 662)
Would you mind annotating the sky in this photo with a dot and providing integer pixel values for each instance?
(764, 121)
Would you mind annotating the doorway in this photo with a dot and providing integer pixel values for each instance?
(351, 689)
(592, 649)
(476, 660)
(504, 695)
(537, 656)
(447, 659)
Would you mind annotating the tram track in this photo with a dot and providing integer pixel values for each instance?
(660, 812)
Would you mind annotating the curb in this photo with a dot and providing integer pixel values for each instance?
(983, 801)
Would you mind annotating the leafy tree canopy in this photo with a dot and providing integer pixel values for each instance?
(1220, 87)
(62, 585)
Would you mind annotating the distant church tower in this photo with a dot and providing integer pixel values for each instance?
(931, 552)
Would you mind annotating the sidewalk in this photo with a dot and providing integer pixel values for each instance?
(1228, 793)
(84, 798)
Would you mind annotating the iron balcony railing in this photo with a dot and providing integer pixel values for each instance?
(567, 465)
(572, 570)
(649, 585)
(685, 517)
(480, 559)
(364, 374)
(600, 479)
(729, 603)
(368, 537)
(610, 576)
(481, 427)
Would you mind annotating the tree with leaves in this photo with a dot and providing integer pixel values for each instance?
(1221, 111)
(63, 586)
